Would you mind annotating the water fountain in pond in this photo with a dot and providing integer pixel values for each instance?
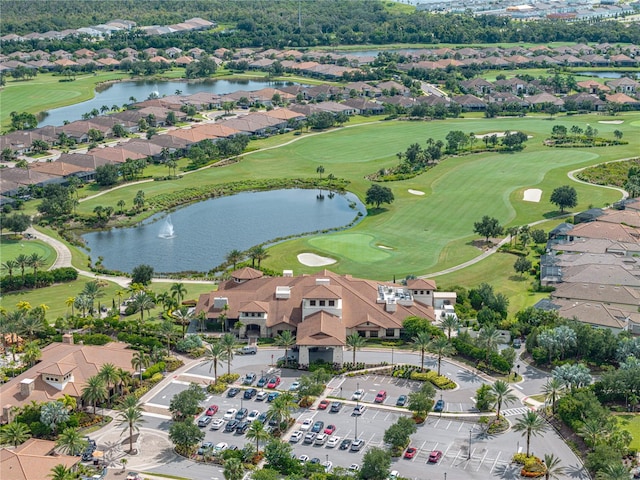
(167, 229)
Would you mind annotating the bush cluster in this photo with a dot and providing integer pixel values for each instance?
(153, 369)
(44, 279)
(496, 361)
(439, 381)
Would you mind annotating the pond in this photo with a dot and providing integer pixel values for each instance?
(197, 237)
(603, 74)
(119, 93)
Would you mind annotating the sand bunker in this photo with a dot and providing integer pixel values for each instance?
(497, 134)
(313, 260)
(384, 247)
(611, 122)
(415, 192)
(532, 195)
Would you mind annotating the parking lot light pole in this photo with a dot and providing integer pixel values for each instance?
(441, 408)
(356, 427)
(469, 456)
(261, 378)
(391, 355)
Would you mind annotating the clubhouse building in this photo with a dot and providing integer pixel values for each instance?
(321, 309)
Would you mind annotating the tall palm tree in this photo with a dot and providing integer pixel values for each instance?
(139, 361)
(281, 408)
(93, 291)
(166, 330)
(421, 342)
(36, 261)
(14, 433)
(502, 395)
(530, 424)
(228, 342)
(554, 470)
(10, 266)
(449, 324)
(60, 472)
(442, 348)
(131, 417)
(70, 302)
(10, 325)
(233, 469)
(234, 256)
(355, 342)
(82, 303)
(592, 431)
(285, 340)
(142, 301)
(257, 253)
(95, 391)
(31, 354)
(613, 471)
(179, 291)
(109, 373)
(30, 325)
(183, 316)
(552, 391)
(258, 433)
(488, 338)
(71, 441)
(215, 354)
(23, 262)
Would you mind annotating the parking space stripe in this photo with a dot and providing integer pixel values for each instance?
(494, 463)
(482, 461)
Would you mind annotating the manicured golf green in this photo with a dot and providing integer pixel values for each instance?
(425, 233)
(631, 423)
(12, 248)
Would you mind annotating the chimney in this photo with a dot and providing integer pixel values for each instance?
(287, 273)
(67, 338)
(26, 387)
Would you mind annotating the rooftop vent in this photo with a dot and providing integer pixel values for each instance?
(287, 273)
(220, 302)
(323, 281)
(283, 292)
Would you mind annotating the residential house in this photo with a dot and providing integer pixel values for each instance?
(34, 459)
(469, 102)
(624, 85)
(363, 106)
(477, 86)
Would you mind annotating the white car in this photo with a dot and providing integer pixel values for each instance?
(230, 414)
(307, 424)
(303, 458)
(294, 386)
(354, 467)
(261, 396)
(220, 447)
(358, 394)
(395, 474)
(296, 436)
(321, 438)
(217, 424)
(327, 466)
(333, 441)
(253, 415)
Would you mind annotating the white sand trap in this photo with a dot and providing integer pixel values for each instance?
(384, 247)
(611, 122)
(313, 260)
(415, 192)
(497, 134)
(532, 195)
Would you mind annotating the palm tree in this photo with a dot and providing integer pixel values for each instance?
(234, 256)
(60, 472)
(552, 391)
(179, 291)
(95, 391)
(450, 323)
(285, 340)
(93, 290)
(70, 302)
(10, 265)
(14, 433)
(592, 431)
(442, 348)
(183, 316)
(215, 354)
(228, 342)
(109, 374)
(554, 470)
(281, 408)
(31, 354)
(233, 469)
(489, 338)
(166, 330)
(320, 171)
(121, 203)
(613, 471)
(258, 433)
(421, 342)
(142, 301)
(530, 424)
(257, 253)
(139, 361)
(131, 417)
(23, 261)
(71, 441)
(355, 342)
(30, 325)
(502, 394)
(83, 303)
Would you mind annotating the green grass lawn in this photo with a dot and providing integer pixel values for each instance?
(11, 248)
(631, 423)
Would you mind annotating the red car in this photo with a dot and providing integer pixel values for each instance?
(273, 382)
(435, 456)
(381, 396)
(330, 429)
(411, 452)
(212, 410)
(323, 405)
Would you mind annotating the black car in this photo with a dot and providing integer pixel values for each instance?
(242, 427)
(439, 407)
(231, 425)
(345, 444)
(249, 393)
(263, 417)
(204, 421)
(336, 406)
(402, 401)
(233, 392)
(242, 414)
(317, 427)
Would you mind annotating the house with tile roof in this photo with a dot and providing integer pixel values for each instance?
(321, 309)
(34, 459)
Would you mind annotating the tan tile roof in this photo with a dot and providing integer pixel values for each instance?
(324, 291)
(60, 169)
(421, 284)
(602, 274)
(320, 329)
(29, 462)
(255, 307)
(590, 292)
(246, 273)
(594, 313)
(627, 217)
(610, 231)
(59, 368)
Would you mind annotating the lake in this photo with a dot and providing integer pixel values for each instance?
(119, 93)
(197, 237)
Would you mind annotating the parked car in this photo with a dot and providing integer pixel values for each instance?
(296, 436)
(133, 476)
(263, 417)
(242, 414)
(204, 447)
(303, 458)
(517, 343)
(327, 466)
(217, 424)
(317, 427)
(439, 406)
(345, 444)
(249, 378)
(435, 456)
(357, 445)
(242, 427)
(229, 414)
(248, 350)
(410, 453)
(212, 410)
(314, 460)
(323, 404)
(358, 410)
(402, 401)
(272, 396)
(273, 382)
(253, 415)
(249, 393)
(288, 358)
(262, 382)
(231, 425)
(233, 391)
(306, 424)
(333, 441)
(204, 421)
(310, 437)
(354, 467)
(294, 386)
(261, 396)
(330, 429)
(321, 438)
(380, 397)
(336, 406)
(220, 447)
(358, 394)
(394, 475)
